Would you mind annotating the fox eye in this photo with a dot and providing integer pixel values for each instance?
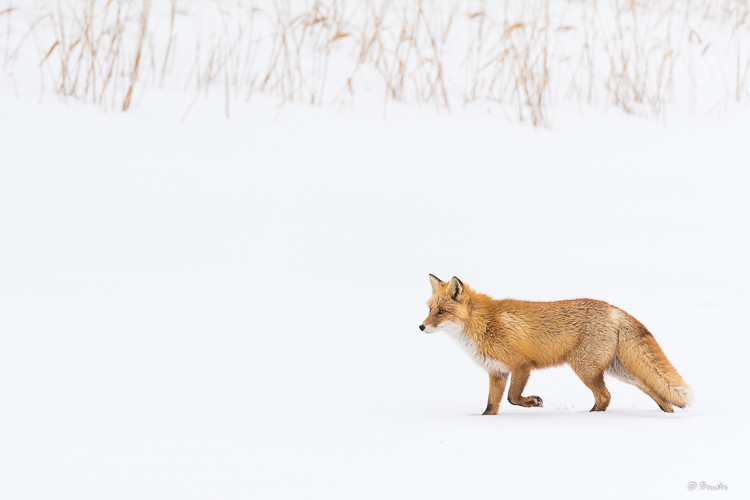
(441, 311)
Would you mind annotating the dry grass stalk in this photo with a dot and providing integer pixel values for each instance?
(520, 54)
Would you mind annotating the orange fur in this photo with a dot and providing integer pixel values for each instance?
(514, 337)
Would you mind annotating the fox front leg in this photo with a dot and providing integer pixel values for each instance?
(519, 378)
(497, 388)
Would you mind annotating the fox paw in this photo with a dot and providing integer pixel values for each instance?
(490, 411)
(666, 408)
(533, 401)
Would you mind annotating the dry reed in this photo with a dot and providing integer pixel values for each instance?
(521, 56)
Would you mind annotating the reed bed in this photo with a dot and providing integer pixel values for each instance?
(521, 57)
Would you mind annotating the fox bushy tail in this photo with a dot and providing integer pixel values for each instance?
(641, 355)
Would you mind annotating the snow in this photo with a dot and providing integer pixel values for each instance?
(229, 308)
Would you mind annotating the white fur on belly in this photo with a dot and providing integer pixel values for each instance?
(456, 331)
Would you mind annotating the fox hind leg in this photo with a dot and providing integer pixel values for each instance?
(664, 405)
(594, 380)
(618, 371)
(517, 383)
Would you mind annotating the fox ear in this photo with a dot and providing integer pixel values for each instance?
(456, 289)
(435, 283)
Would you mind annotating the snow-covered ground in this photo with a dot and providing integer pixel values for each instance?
(228, 308)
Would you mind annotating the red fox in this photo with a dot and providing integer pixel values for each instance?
(512, 337)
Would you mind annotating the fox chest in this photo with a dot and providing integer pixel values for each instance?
(474, 351)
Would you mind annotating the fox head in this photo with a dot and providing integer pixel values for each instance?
(448, 307)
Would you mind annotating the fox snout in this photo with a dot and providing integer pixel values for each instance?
(427, 328)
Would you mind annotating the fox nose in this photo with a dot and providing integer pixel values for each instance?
(421, 327)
